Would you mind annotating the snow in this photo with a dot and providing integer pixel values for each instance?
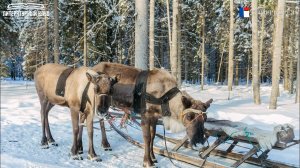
(21, 128)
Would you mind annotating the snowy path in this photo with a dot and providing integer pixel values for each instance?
(21, 130)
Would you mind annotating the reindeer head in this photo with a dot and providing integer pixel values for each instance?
(102, 88)
(193, 119)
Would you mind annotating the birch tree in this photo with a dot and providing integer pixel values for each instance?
(141, 34)
(174, 46)
(277, 53)
(298, 77)
(262, 36)
(255, 65)
(231, 45)
(298, 62)
(56, 36)
(151, 34)
(179, 46)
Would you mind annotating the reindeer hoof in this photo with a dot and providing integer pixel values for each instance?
(53, 143)
(154, 160)
(44, 146)
(75, 157)
(107, 149)
(80, 152)
(149, 165)
(95, 158)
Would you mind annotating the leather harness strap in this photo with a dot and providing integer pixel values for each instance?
(85, 98)
(141, 96)
(139, 103)
(163, 101)
(62, 80)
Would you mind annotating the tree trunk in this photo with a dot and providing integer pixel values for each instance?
(169, 25)
(231, 45)
(293, 40)
(255, 63)
(141, 34)
(298, 76)
(56, 36)
(262, 36)
(203, 52)
(277, 44)
(222, 54)
(174, 50)
(84, 35)
(285, 53)
(248, 69)
(297, 99)
(151, 34)
(179, 45)
(291, 76)
(186, 63)
(236, 82)
(46, 35)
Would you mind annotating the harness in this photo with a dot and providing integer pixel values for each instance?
(61, 83)
(141, 96)
(85, 98)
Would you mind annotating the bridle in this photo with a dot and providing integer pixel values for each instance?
(188, 110)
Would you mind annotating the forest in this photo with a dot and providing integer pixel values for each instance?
(152, 83)
(200, 42)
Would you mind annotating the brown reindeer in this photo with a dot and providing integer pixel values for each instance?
(172, 107)
(82, 90)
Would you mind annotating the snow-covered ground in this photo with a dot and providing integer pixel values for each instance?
(21, 128)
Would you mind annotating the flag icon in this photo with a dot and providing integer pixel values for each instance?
(244, 12)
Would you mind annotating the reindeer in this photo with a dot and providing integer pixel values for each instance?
(161, 98)
(82, 90)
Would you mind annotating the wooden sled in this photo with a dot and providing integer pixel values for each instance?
(285, 139)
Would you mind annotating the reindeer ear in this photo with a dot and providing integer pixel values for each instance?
(115, 79)
(89, 76)
(186, 102)
(92, 76)
(209, 102)
(118, 77)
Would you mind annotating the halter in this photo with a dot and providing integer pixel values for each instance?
(184, 112)
(85, 98)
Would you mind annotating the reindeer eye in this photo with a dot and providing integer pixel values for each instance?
(190, 116)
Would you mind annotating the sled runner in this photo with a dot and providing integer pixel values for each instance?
(226, 132)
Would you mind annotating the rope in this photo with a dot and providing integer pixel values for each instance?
(167, 147)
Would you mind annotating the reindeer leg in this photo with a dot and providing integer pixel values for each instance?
(47, 127)
(146, 135)
(75, 120)
(152, 134)
(79, 138)
(89, 124)
(44, 143)
(105, 143)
